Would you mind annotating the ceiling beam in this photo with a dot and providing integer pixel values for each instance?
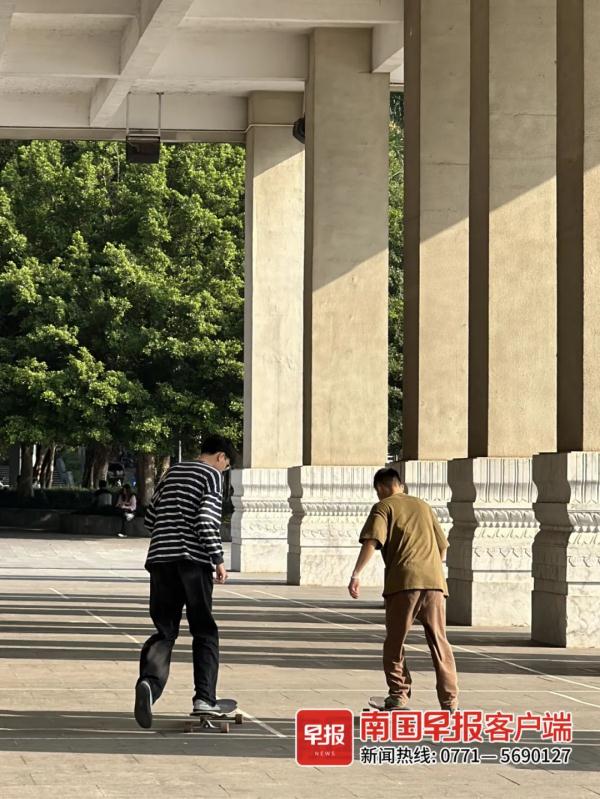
(343, 12)
(234, 56)
(189, 59)
(7, 9)
(182, 112)
(113, 8)
(142, 44)
(46, 53)
(388, 48)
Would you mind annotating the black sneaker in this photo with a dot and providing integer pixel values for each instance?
(143, 704)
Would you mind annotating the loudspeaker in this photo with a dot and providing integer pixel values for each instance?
(298, 130)
(142, 149)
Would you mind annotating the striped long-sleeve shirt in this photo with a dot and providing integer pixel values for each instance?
(184, 516)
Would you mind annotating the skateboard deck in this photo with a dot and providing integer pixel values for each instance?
(215, 721)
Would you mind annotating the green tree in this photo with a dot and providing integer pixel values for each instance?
(121, 291)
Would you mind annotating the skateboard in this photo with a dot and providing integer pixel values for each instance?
(378, 702)
(215, 721)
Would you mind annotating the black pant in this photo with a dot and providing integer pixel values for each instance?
(173, 585)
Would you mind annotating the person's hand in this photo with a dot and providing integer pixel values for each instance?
(354, 587)
(220, 573)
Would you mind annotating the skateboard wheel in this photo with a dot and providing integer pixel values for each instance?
(224, 726)
(238, 718)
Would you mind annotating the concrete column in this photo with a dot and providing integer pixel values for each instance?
(512, 309)
(436, 228)
(346, 287)
(566, 557)
(272, 332)
(515, 410)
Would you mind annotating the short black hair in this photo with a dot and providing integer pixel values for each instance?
(387, 477)
(213, 443)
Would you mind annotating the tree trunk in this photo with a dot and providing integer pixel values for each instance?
(14, 469)
(146, 470)
(25, 487)
(87, 477)
(47, 470)
(96, 465)
(38, 461)
(162, 466)
(101, 456)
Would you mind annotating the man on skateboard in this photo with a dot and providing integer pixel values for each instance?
(184, 519)
(413, 546)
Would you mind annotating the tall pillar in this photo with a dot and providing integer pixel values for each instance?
(514, 410)
(436, 225)
(566, 562)
(436, 229)
(512, 311)
(272, 333)
(346, 286)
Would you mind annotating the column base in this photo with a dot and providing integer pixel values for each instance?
(428, 480)
(259, 525)
(490, 543)
(330, 505)
(566, 552)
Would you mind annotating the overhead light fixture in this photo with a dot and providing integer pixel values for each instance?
(299, 130)
(143, 147)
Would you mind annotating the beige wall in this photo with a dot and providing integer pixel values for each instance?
(274, 283)
(345, 368)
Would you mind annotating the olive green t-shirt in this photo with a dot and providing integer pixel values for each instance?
(411, 540)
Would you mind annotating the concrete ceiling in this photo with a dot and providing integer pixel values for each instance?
(68, 66)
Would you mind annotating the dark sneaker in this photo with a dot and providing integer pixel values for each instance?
(143, 704)
(121, 535)
(201, 706)
(395, 703)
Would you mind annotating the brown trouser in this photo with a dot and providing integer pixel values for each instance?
(428, 607)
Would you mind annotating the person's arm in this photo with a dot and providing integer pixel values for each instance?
(364, 556)
(373, 536)
(209, 524)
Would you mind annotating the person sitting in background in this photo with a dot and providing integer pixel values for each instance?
(103, 498)
(127, 504)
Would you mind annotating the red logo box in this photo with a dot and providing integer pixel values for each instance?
(324, 737)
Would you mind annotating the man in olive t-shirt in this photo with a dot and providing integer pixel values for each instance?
(412, 544)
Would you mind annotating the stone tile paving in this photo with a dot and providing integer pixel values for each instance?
(73, 613)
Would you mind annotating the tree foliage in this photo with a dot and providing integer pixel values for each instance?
(121, 294)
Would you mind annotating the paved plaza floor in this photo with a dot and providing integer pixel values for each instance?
(73, 614)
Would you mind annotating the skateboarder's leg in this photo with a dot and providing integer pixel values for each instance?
(432, 614)
(166, 605)
(198, 584)
(400, 610)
